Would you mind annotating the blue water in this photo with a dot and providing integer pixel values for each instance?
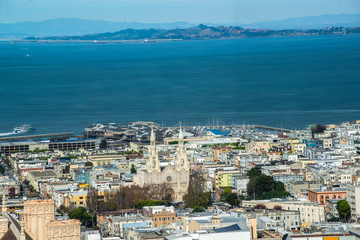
(288, 82)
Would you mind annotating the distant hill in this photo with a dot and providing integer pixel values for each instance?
(77, 27)
(73, 26)
(315, 22)
(200, 32)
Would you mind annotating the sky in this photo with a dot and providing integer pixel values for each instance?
(160, 11)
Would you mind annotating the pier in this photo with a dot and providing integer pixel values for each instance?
(38, 136)
(272, 128)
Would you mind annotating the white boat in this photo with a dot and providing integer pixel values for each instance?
(19, 130)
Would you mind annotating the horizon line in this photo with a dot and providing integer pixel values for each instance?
(180, 21)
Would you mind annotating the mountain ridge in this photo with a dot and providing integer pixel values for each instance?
(60, 26)
(200, 32)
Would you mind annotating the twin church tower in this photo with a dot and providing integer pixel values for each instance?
(176, 178)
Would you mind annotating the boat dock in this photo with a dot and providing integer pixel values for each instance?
(246, 126)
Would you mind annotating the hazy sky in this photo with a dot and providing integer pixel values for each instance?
(194, 11)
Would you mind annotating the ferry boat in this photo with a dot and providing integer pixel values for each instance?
(23, 129)
(26, 128)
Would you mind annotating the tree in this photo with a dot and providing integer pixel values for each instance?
(259, 206)
(127, 197)
(318, 128)
(254, 172)
(264, 184)
(344, 209)
(103, 144)
(197, 196)
(89, 164)
(277, 207)
(279, 186)
(227, 190)
(59, 212)
(133, 169)
(81, 214)
(229, 197)
(161, 191)
(265, 187)
(150, 202)
(198, 209)
(64, 209)
(92, 202)
(250, 187)
(274, 194)
(232, 199)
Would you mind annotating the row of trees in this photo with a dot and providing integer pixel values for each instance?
(127, 197)
(135, 196)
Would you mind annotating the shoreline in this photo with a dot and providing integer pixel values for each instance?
(153, 41)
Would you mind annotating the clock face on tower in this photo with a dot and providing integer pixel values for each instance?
(168, 178)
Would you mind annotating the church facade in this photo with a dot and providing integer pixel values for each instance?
(176, 178)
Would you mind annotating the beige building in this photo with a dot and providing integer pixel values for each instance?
(99, 160)
(177, 177)
(309, 212)
(164, 218)
(37, 221)
(200, 223)
(36, 177)
(298, 148)
(258, 147)
(40, 223)
(353, 198)
(327, 143)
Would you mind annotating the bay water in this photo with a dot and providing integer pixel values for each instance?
(289, 82)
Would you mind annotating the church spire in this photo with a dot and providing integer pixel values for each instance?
(180, 157)
(152, 136)
(181, 137)
(152, 162)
